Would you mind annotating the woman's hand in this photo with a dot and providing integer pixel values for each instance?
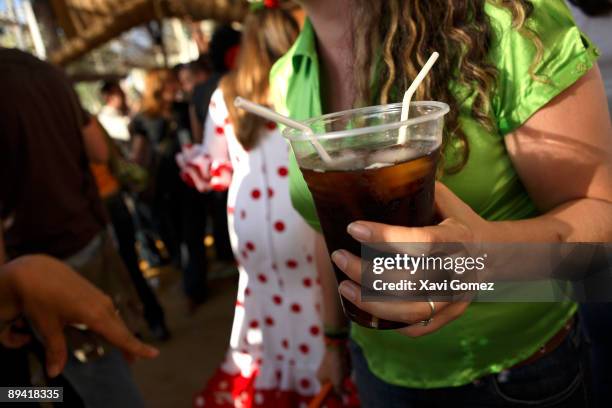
(459, 224)
(51, 295)
(335, 367)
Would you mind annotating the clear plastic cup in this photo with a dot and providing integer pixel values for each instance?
(371, 177)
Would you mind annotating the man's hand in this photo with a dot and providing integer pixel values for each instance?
(51, 295)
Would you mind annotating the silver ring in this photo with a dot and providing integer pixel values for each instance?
(427, 321)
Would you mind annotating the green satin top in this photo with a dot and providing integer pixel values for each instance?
(488, 337)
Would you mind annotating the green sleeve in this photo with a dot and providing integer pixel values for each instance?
(567, 55)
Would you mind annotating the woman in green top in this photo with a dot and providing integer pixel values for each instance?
(527, 158)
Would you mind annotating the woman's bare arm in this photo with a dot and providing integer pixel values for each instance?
(563, 155)
(333, 316)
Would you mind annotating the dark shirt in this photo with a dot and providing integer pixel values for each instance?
(48, 197)
(202, 93)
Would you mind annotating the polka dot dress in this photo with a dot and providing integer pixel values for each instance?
(276, 343)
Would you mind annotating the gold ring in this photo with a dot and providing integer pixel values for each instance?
(427, 321)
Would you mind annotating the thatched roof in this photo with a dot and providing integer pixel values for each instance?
(88, 24)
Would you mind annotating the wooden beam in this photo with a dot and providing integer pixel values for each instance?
(63, 17)
(129, 14)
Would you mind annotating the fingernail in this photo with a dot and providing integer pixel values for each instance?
(348, 291)
(359, 231)
(340, 259)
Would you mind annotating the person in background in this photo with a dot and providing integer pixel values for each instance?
(527, 157)
(125, 235)
(192, 73)
(49, 205)
(595, 18)
(276, 344)
(52, 304)
(114, 114)
(222, 53)
(158, 132)
(154, 132)
(223, 50)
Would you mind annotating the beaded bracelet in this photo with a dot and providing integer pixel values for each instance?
(334, 343)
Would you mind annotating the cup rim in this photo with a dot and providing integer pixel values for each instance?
(296, 135)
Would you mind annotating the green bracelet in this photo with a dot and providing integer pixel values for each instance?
(336, 333)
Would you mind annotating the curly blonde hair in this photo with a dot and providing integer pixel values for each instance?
(407, 32)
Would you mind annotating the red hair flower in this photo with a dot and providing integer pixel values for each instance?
(271, 3)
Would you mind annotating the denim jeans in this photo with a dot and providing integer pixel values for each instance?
(596, 318)
(557, 380)
(104, 382)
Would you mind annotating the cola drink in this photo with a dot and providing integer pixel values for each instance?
(395, 193)
(375, 174)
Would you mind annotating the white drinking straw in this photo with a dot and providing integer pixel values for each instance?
(410, 92)
(269, 114)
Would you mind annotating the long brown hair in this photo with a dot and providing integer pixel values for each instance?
(267, 35)
(153, 104)
(407, 31)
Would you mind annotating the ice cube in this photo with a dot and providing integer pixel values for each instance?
(378, 166)
(392, 156)
(346, 160)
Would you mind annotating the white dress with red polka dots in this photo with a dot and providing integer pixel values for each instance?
(276, 343)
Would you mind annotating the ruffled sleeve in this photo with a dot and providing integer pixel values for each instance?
(567, 55)
(207, 166)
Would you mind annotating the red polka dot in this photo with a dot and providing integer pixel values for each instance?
(247, 292)
(305, 383)
(304, 348)
(255, 194)
(279, 375)
(254, 324)
(291, 264)
(277, 299)
(315, 330)
(239, 303)
(259, 361)
(244, 254)
(227, 121)
(279, 226)
(244, 351)
(262, 278)
(271, 125)
(285, 343)
(280, 357)
(270, 193)
(307, 282)
(230, 210)
(309, 258)
(269, 321)
(296, 308)
(250, 246)
(274, 267)
(219, 131)
(242, 214)
(283, 172)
